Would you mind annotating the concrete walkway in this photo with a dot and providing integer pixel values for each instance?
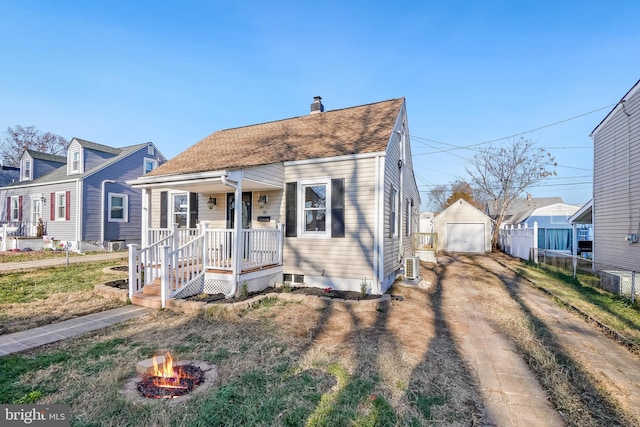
(61, 260)
(25, 340)
(512, 395)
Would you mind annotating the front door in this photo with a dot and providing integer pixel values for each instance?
(36, 216)
(246, 209)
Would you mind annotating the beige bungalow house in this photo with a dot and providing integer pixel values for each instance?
(328, 199)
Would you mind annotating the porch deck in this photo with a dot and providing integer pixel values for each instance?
(211, 261)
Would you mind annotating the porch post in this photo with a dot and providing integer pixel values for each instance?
(133, 270)
(164, 282)
(146, 217)
(237, 238)
(175, 241)
(205, 244)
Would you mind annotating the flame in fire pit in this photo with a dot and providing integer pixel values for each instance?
(168, 381)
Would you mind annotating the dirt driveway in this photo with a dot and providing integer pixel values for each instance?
(535, 363)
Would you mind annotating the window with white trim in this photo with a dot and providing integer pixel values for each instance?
(408, 223)
(149, 165)
(75, 161)
(26, 170)
(394, 218)
(15, 208)
(180, 208)
(315, 209)
(118, 207)
(61, 206)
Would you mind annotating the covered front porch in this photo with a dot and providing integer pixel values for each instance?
(218, 241)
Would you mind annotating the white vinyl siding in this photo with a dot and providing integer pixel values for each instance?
(349, 257)
(616, 187)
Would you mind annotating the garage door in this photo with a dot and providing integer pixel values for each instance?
(465, 237)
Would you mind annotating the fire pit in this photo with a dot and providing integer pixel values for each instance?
(162, 378)
(169, 381)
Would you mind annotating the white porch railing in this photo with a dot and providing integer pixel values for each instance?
(209, 249)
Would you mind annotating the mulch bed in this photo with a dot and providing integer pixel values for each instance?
(219, 298)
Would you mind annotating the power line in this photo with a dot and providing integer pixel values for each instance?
(469, 147)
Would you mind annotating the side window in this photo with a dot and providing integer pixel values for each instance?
(149, 165)
(393, 213)
(314, 219)
(118, 207)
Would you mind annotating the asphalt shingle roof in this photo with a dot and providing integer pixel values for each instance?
(355, 130)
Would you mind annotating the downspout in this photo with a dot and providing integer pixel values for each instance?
(102, 208)
(79, 215)
(237, 238)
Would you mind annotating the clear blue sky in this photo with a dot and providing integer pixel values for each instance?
(125, 72)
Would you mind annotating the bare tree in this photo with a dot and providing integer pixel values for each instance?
(503, 173)
(20, 138)
(438, 197)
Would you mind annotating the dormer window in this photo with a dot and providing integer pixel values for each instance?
(26, 170)
(75, 161)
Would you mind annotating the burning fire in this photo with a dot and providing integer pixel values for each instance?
(165, 375)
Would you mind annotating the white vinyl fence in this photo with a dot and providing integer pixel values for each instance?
(520, 241)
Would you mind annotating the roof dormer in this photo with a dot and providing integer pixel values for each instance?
(26, 167)
(75, 158)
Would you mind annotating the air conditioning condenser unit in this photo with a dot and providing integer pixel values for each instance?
(116, 246)
(412, 267)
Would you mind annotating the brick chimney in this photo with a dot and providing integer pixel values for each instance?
(316, 105)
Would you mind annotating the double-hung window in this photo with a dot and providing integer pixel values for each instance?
(75, 162)
(118, 207)
(315, 208)
(149, 165)
(15, 208)
(61, 207)
(394, 218)
(26, 170)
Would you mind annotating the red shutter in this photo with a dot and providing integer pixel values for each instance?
(8, 209)
(67, 215)
(53, 206)
(20, 208)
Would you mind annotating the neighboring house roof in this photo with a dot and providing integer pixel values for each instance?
(523, 205)
(46, 156)
(9, 174)
(60, 174)
(541, 211)
(584, 215)
(355, 130)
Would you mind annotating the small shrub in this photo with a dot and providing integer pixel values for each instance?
(286, 287)
(364, 288)
(244, 292)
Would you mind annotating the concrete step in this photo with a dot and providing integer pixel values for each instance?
(150, 301)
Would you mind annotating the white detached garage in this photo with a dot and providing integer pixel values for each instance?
(463, 228)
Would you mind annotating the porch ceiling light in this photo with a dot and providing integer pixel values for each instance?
(212, 202)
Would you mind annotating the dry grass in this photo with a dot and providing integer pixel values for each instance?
(38, 297)
(279, 364)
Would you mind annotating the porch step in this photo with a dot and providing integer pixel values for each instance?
(152, 288)
(146, 300)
